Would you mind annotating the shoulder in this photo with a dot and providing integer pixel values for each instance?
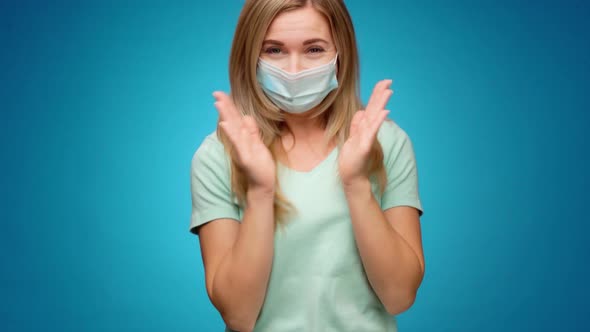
(210, 152)
(391, 136)
(210, 145)
(390, 131)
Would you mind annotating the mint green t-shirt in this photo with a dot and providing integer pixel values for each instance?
(317, 282)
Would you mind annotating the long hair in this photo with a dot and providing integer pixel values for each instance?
(335, 112)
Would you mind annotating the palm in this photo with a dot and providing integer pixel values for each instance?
(352, 161)
(253, 156)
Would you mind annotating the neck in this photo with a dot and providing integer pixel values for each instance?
(305, 130)
(303, 126)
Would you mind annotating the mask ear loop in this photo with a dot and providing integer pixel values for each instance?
(336, 64)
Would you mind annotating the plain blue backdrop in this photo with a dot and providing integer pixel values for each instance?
(103, 104)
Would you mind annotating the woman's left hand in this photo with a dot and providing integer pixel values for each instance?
(352, 160)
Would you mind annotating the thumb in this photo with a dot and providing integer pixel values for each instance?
(250, 124)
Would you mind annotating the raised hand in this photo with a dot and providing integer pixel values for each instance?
(352, 161)
(253, 156)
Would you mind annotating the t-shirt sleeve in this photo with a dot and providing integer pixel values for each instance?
(210, 185)
(402, 172)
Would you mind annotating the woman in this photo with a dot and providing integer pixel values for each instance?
(306, 204)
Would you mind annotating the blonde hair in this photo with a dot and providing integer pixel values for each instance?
(254, 21)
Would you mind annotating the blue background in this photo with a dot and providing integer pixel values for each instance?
(104, 103)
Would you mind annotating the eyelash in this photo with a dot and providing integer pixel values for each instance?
(271, 49)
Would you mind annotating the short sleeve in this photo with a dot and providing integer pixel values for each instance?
(210, 185)
(400, 164)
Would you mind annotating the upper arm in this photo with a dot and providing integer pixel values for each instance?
(401, 188)
(210, 185)
(215, 218)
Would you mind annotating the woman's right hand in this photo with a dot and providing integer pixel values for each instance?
(253, 156)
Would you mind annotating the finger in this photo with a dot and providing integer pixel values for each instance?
(245, 135)
(229, 109)
(380, 98)
(376, 92)
(365, 133)
(371, 127)
(229, 131)
(363, 124)
(383, 99)
(355, 122)
(251, 125)
(378, 121)
(229, 125)
(380, 104)
(220, 109)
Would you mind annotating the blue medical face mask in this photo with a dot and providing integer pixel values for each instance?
(298, 92)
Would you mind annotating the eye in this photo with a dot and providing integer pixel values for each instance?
(272, 50)
(315, 49)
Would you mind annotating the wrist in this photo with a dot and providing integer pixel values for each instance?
(260, 192)
(361, 184)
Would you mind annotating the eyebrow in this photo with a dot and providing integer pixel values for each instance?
(307, 42)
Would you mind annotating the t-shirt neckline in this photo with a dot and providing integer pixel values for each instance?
(316, 168)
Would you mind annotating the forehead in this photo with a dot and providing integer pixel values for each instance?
(304, 22)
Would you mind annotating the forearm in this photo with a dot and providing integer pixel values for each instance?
(241, 280)
(392, 267)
